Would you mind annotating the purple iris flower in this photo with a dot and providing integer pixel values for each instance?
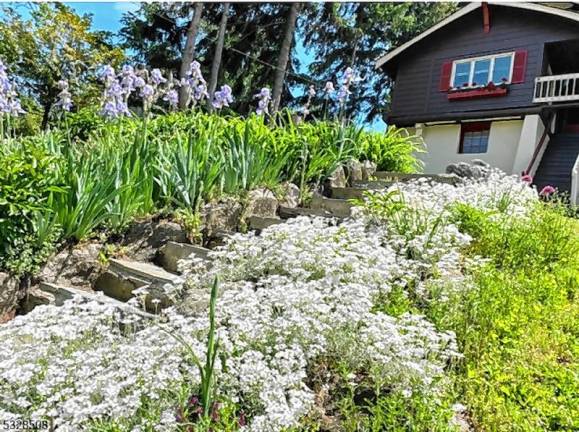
(64, 101)
(109, 110)
(343, 93)
(107, 73)
(172, 96)
(264, 97)
(9, 102)
(200, 92)
(147, 91)
(139, 82)
(157, 77)
(223, 97)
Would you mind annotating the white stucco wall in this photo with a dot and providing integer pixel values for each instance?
(531, 133)
(442, 145)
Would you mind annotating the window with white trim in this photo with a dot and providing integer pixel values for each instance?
(479, 71)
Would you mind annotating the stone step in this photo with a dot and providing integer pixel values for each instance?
(348, 193)
(372, 184)
(60, 294)
(258, 223)
(292, 212)
(172, 252)
(402, 177)
(123, 277)
(337, 207)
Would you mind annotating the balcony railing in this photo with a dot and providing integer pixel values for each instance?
(557, 88)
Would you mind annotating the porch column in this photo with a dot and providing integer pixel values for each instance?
(531, 133)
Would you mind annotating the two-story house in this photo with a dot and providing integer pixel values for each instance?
(497, 82)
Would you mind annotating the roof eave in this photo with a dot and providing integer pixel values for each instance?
(465, 10)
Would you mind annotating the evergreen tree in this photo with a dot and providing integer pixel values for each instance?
(354, 35)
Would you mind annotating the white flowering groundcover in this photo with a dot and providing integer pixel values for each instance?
(300, 291)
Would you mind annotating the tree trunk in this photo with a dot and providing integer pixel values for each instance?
(46, 115)
(218, 53)
(284, 55)
(189, 52)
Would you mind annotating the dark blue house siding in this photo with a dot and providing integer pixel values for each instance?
(416, 96)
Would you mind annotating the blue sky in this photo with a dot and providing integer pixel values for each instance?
(107, 16)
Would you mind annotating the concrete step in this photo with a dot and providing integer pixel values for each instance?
(172, 252)
(337, 207)
(372, 184)
(348, 193)
(258, 223)
(291, 212)
(402, 177)
(123, 277)
(62, 293)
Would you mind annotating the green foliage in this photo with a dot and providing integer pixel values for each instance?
(54, 43)
(27, 178)
(250, 158)
(207, 390)
(393, 151)
(394, 411)
(91, 175)
(518, 325)
(355, 398)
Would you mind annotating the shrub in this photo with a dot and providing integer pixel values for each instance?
(28, 175)
(517, 326)
(394, 150)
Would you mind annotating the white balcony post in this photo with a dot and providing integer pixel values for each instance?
(556, 88)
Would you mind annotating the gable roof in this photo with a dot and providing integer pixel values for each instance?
(466, 10)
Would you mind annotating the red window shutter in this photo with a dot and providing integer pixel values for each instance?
(519, 67)
(445, 74)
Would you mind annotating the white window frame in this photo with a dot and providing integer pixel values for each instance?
(473, 60)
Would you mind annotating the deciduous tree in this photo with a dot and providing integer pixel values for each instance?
(54, 43)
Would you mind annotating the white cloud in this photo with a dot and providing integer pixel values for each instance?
(125, 6)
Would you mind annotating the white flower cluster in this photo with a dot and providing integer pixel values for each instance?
(290, 292)
(419, 229)
(74, 364)
(300, 291)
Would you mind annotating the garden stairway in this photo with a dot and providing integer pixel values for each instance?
(557, 162)
(124, 279)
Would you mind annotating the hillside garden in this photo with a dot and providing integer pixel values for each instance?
(435, 306)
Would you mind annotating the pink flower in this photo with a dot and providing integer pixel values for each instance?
(527, 178)
(547, 191)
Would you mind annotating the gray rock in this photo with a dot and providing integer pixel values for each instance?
(10, 295)
(262, 203)
(349, 193)
(288, 213)
(259, 223)
(337, 178)
(224, 215)
(36, 297)
(59, 294)
(291, 195)
(368, 169)
(478, 169)
(355, 171)
(76, 266)
(123, 277)
(337, 207)
(146, 236)
(172, 253)
(165, 232)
